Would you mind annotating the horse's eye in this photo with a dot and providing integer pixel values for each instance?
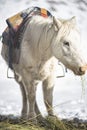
(66, 43)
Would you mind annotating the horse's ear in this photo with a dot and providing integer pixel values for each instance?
(57, 23)
(73, 20)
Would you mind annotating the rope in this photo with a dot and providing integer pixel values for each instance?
(0, 37)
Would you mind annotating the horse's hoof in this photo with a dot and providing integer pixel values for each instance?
(39, 117)
(32, 118)
(41, 120)
(24, 117)
(32, 121)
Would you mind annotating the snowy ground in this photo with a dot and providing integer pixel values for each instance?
(69, 95)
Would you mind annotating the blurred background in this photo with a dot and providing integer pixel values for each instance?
(70, 93)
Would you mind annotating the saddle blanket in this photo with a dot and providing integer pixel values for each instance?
(16, 23)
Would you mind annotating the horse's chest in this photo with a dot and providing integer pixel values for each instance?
(41, 71)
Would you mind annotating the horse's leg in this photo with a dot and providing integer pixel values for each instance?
(48, 85)
(31, 96)
(37, 109)
(38, 113)
(24, 98)
(31, 101)
(39, 116)
(24, 102)
(24, 109)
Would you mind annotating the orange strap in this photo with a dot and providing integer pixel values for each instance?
(44, 12)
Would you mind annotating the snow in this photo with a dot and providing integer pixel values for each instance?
(70, 92)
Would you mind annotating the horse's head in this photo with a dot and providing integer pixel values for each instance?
(66, 45)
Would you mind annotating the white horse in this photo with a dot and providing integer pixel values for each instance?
(45, 41)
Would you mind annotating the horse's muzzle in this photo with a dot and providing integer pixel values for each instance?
(83, 69)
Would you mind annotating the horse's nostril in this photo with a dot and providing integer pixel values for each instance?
(80, 69)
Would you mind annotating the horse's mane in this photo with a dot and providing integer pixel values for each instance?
(39, 27)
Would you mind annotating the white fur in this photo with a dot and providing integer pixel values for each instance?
(43, 43)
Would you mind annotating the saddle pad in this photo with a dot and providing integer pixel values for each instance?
(15, 21)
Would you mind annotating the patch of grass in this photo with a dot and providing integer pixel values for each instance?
(50, 123)
(55, 124)
(9, 126)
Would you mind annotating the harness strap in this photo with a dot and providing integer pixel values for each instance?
(10, 49)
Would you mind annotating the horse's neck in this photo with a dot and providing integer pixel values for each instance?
(41, 38)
